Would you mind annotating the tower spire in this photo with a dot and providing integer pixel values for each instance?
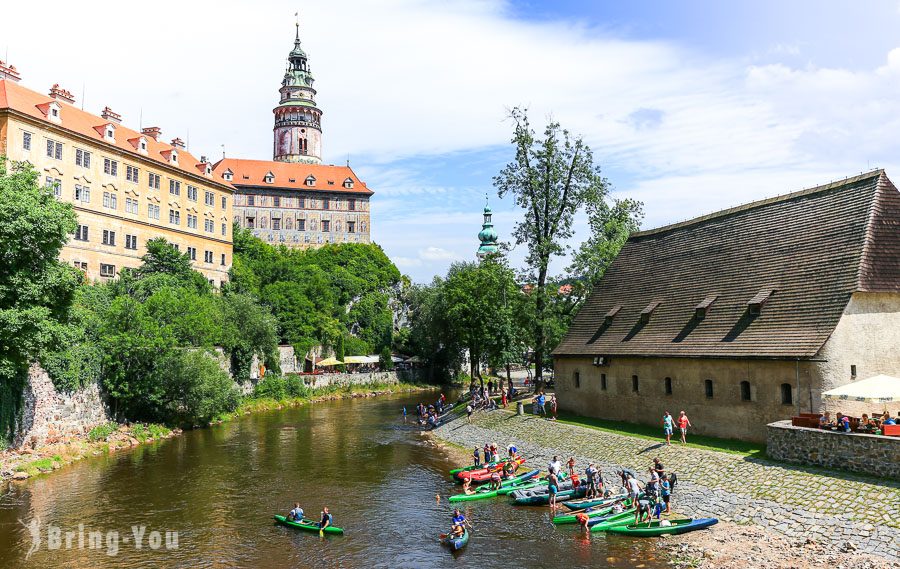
(298, 126)
(488, 235)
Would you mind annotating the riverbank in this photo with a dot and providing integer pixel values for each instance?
(110, 437)
(836, 511)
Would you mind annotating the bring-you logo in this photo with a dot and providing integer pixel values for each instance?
(54, 538)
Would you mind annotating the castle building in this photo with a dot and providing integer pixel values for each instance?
(126, 186)
(743, 317)
(294, 199)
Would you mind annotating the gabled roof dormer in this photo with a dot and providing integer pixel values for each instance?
(170, 155)
(269, 177)
(205, 168)
(51, 110)
(140, 144)
(107, 131)
(348, 183)
(310, 180)
(228, 175)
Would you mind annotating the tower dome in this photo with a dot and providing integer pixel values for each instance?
(488, 235)
(298, 121)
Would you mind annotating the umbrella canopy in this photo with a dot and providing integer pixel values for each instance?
(330, 362)
(360, 359)
(877, 389)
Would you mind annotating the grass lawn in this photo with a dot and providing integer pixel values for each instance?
(731, 446)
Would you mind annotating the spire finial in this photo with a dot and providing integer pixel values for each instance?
(485, 199)
(297, 25)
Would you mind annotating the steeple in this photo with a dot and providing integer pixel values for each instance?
(487, 235)
(298, 121)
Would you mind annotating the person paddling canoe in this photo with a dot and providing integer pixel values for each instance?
(327, 519)
(459, 521)
(296, 514)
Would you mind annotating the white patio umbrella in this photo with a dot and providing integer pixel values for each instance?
(877, 389)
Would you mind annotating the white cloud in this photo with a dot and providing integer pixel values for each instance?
(437, 254)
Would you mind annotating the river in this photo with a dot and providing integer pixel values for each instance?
(218, 488)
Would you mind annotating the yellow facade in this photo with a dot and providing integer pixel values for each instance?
(124, 199)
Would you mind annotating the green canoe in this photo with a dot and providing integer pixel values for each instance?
(308, 525)
(484, 491)
(591, 513)
(620, 519)
(455, 543)
(654, 528)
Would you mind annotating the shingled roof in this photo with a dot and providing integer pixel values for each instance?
(797, 258)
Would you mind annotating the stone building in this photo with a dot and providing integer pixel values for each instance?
(293, 199)
(745, 316)
(126, 186)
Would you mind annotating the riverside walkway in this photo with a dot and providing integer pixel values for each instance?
(848, 510)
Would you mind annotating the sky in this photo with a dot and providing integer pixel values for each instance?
(690, 107)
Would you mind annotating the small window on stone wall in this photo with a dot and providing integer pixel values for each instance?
(634, 383)
(603, 382)
(708, 388)
(853, 371)
(668, 383)
(787, 394)
(745, 391)
(577, 379)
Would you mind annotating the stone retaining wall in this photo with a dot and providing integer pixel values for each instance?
(326, 379)
(869, 454)
(51, 416)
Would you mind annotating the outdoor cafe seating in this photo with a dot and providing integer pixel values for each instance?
(880, 391)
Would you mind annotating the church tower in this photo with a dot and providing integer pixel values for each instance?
(298, 121)
(488, 235)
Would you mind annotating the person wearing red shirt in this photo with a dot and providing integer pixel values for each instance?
(683, 424)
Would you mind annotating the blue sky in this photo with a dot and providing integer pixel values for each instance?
(689, 106)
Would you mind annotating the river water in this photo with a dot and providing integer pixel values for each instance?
(218, 488)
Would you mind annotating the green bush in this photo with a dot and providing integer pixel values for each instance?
(101, 432)
(270, 387)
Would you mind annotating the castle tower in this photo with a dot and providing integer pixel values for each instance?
(487, 235)
(298, 121)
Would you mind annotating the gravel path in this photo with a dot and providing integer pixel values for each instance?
(840, 509)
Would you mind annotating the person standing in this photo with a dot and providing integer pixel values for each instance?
(477, 456)
(503, 397)
(658, 467)
(469, 412)
(553, 406)
(665, 490)
(683, 424)
(590, 475)
(668, 427)
(555, 466)
(553, 488)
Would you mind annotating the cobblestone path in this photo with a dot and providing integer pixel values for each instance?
(846, 509)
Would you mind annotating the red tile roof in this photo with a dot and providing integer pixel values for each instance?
(33, 104)
(289, 175)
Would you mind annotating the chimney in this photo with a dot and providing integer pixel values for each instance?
(111, 115)
(178, 143)
(8, 71)
(203, 159)
(60, 94)
(153, 132)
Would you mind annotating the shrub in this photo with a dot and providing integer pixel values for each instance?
(101, 432)
(270, 387)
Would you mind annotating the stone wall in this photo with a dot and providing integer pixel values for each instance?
(51, 416)
(326, 379)
(868, 454)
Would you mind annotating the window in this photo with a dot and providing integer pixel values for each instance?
(351, 227)
(787, 395)
(577, 379)
(351, 205)
(110, 167)
(174, 217)
(131, 241)
(269, 178)
(109, 237)
(82, 194)
(54, 149)
(251, 201)
(175, 187)
(325, 203)
(207, 256)
(176, 247)
(80, 265)
(348, 183)
(209, 199)
(251, 222)
(107, 270)
(301, 225)
(82, 158)
(276, 224)
(224, 229)
(110, 200)
(55, 184)
(745, 391)
(81, 234)
(153, 211)
(326, 225)
(208, 225)
(603, 382)
(276, 201)
(192, 221)
(634, 383)
(310, 181)
(223, 259)
(131, 206)
(288, 223)
(224, 203)
(708, 388)
(192, 193)
(668, 382)
(26, 141)
(302, 202)
(153, 180)
(192, 253)
(853, 370)
(131, 173)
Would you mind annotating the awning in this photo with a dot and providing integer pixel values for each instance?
(330, 362)
(360, 359)
(877, 389)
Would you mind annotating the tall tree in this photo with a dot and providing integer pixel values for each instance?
(550, 179)
(610, 222)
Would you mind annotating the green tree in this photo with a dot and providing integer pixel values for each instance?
(610, 222)
(36, 290)
(550, 179)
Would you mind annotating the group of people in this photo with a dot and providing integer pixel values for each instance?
(669, 426)
(429, 415)
(651, 497)
(541, 402)
(866, 424)
(296, 516)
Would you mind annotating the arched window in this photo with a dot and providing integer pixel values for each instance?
(708, 388)
(787, 394)
(745, 391)
(668, 383)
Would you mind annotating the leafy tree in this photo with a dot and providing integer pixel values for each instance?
(385, 359)
(36, 289)
(611, 222)
(550, 179)
(248, 329)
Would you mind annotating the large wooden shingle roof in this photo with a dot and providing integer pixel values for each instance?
(768, 279)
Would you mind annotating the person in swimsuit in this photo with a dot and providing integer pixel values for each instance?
(495, 480)
(553, 488)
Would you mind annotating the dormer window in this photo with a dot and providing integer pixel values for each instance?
(208, 169)
(54, 112)
(269, 178)
(702, 309)
(109, 133)
(755, 304)
(174, 157)
(310, 180)
(348, 183)
(612, 314)
(143, 145)
(647, 312)
(228, 175)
